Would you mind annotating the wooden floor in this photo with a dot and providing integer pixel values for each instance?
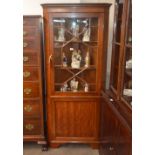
(67, 149)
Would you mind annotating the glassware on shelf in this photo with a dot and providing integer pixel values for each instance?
(64, 60)
(86, 87)
(87, 59)
(76, 59)
(61, 34)
(74, 85)
(86, 36)
(64, 88)
(127, 92)
(129, 64)
(75, 30)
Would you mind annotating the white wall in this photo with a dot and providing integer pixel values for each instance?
(33, 7)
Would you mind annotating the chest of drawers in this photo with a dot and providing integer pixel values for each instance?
(33, 98)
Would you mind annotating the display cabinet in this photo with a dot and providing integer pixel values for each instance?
(33, 91)
(116, 102)
(121, 65)
(75, 48)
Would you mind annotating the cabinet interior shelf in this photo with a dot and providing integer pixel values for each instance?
(58, 84)
(83, 26)
(81, 68)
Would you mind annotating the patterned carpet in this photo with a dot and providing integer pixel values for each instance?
(67, 149)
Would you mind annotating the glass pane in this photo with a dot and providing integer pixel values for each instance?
(127, 88)
(118, 19)
(127, 83)
(129, 33)
(75, 47)
(116, 49)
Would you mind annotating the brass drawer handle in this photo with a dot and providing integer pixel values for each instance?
(27, 91)
(28, 108)
(24, 33)
(26, 74)
(29, 126)
(25, 44)
(24, 22)
(25, 59)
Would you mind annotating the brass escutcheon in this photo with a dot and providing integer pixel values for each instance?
(27, 91)
(28, 108)
(29, 126)
(25, 59)
(26, 74)
(25, 44)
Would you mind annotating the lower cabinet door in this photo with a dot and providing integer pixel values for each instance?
(73, 120)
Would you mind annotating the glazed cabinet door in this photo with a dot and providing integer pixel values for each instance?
(116, 46)
(74, 54)
(126, 90)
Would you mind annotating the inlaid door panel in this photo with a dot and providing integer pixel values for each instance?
(75, 118)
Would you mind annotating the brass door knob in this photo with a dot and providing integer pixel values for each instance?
(26, 74)
(25, 58)
(29, 126)
(27, 91)
(28, 108)
(25, 44)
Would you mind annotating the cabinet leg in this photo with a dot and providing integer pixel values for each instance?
(94, 145)
(55, 145)
(44, 147)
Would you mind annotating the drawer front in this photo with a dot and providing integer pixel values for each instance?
(30, 58)
(29, 32)
(31, 108)
(30, 21)
(31, 90)
(32, 126)
(29, 44)
(31, 73)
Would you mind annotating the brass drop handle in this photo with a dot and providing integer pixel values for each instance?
(25, 44)
(26, 74)
(24, 33)
(29, 126)
(50, 58)
(111, 148)
(24, 22)
(28, 108)
(25, 59)
(27, 91)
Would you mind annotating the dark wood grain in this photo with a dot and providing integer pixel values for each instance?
(33, 114)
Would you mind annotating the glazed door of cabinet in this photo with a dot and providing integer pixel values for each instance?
(63, 48)
(126, 83)
(116, 46)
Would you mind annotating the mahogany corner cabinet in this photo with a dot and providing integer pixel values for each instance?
(76, 37)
